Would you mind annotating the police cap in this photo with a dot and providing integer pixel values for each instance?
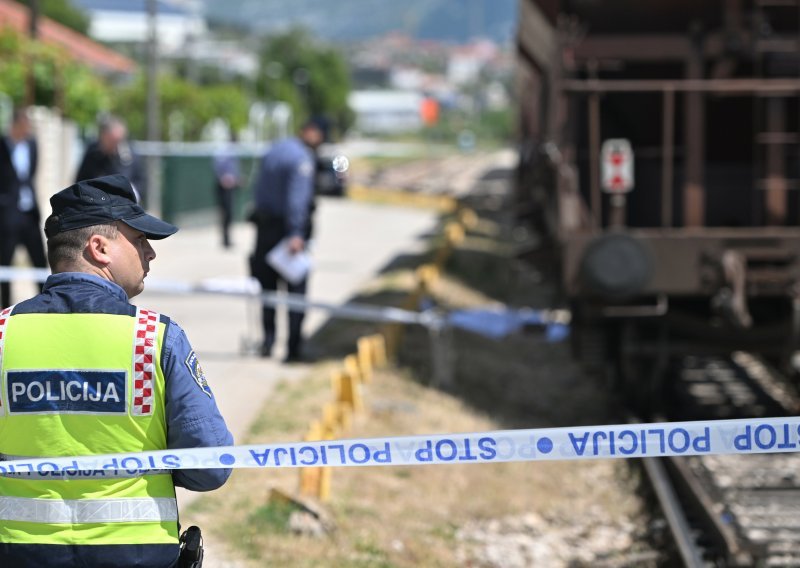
(99, 201)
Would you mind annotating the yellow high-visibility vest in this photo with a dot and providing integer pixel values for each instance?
(83, 384)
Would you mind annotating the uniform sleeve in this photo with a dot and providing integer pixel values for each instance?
(300, 182)
(193, 419)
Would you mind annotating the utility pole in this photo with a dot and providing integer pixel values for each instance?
(33, 27)
(33, 32)
(153, 179)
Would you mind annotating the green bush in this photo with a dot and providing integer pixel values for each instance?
(59, 80)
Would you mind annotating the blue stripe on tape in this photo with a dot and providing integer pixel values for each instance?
(769, 435)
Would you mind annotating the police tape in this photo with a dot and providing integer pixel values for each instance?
(11, 274)
(749, 436)
(491, 322)
(248, 288)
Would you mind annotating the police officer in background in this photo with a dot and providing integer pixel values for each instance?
(86, 372)
(228, 177)
(284, 199)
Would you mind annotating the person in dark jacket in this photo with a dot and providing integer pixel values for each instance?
(112, 154)
(19, 211)
(284, 198)
(117, 378)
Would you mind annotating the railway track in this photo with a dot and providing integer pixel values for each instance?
(453, 175)
(731, 510)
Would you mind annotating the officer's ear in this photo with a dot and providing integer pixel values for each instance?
(98, 250)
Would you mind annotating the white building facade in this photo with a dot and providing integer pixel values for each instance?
(385, 111)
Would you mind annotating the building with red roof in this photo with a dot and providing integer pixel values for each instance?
(78, 46)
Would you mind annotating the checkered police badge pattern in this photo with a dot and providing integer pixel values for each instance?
(3, 320)
(144, 356)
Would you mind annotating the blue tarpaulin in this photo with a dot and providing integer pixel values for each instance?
(500, 323)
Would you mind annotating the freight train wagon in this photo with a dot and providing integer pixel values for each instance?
(660, 159)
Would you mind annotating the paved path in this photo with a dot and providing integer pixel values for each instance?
(353, 242)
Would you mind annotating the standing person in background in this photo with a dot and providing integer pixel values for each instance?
(19, 212)
(227, 173)
(112, 154)
(284, 194)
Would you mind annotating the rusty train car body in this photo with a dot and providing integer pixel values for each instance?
(703, 253)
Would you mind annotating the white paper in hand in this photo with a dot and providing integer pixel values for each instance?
(293, 267)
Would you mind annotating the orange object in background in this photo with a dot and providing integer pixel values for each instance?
(429, 111)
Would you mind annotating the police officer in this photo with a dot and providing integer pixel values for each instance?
(82, 372)
(284, 198)
(228, 177)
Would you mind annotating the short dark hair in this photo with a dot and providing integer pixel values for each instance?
(67, 247)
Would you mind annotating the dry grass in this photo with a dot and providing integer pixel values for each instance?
(398, 516)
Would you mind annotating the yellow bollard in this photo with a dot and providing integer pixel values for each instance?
(427, 276)
(330, 417)
(392, 332)
(365, 358)
(352, 368)
(379, 350)
(324, 486)
(310, 476)
(449, 204)
(351, 392)
(309, 481)
(343, 394)
(454, 233)
(468, 218)
(356, 395)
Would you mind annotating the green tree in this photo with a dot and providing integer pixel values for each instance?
(225, 101)
(12, 67)
(60, 81)
(311, 77)
(198, 105)
(63, 12)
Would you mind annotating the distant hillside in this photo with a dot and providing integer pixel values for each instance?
(452, 20)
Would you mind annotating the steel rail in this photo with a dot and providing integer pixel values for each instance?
(681, 530)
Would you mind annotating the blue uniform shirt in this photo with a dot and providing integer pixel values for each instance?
(226, 162)
(285, 184)
(193, 419)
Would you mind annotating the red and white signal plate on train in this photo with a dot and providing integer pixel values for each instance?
(616, 166)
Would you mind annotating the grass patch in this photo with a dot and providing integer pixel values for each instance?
(272, 517)
(296, 407)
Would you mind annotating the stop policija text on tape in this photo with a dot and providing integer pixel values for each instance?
(770, 435)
